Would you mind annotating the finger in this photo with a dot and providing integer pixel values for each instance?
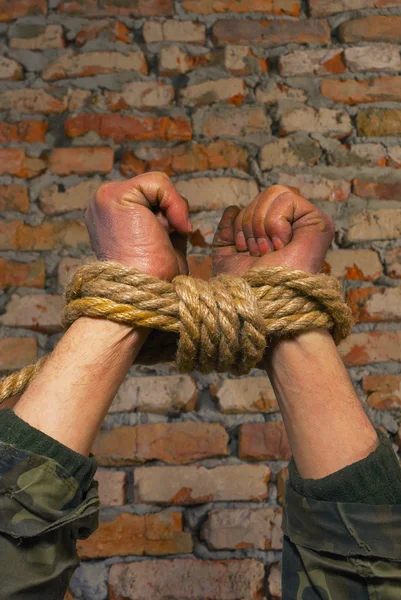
(246, 230)
(157, 191)
(179, 243)
(225, 235)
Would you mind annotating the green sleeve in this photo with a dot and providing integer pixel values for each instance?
(374, 480)
(342, 533)
(45, 506)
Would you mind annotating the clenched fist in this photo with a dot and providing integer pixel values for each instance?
(279, 228)
(141, 223)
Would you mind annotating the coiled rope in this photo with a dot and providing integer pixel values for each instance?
(220, 325)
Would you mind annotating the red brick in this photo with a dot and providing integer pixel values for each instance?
(14, 197)
(377, 189)
(141, 95)
(10, 70)
(376, 28)
(16, 353)
(351, 91)
(273, 92)
(245, 395)
(231, 90)
(172, 30)
(315, 187)
(264, 441)
(383, 224)
(269, 34)
(275, 582)
(334, 123)
(328, 7)
(231, 121)
(29, 131)
(375, 122)
(140, 535)
(162, 394)
(18, 274)
(40, 312)
(277, 7)
(45, 101)
(375, 304)
(371, 347)
(242, 528)
(200, 266)
(121, 129)
(16, 235)
(14, 161)
(110, 29)
(66, 161)
(111, 487)
(376, 57)
(76, 197)
(186, 158)
(174, 60)
(392, 259)
(173, 443)
(16, 9)
(37, 37)
(312, 62)
(135, 8)
(384, 391)
(188, 578)
(197, 485)
(282, 477)
(211, 193)
(94, 63)
(362, 265)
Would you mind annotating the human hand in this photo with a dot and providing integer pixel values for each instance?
(279, 228)
(141, 223)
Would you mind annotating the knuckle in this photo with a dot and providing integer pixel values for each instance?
(103, 193)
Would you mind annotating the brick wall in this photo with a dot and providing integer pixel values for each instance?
(227, 97)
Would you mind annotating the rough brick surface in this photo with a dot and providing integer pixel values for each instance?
(28, 130)
(361, 264)
(375, 28)
(382, 224)
(350, 91)
(134, 8)
(137, 535)
(142, 95)
(215, 580)
(15, 235)
(269, 34)
(16, 353)
(378, 57)
(384, 391)
(172, 443)
(371, 347)
(39, 312)
(392, 261)
(278, 7)
(44, 101)
(230, 90)
(10, 10)
(211, 193)
(173, 31)
(196, 485)
(317, 188)
(77, 197)
(243, 528)
(264, 441)
(231, 121)
(274, 582)
(37, 37)
(248, 394)
(305, 118)
(94, 63)
(111, 487)
(65, 161)
(18, 274)
(375, 304)
(312, 62)
(15, 161)
(14, 197)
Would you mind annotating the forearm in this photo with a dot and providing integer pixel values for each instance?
(71, 395)
(325, 422)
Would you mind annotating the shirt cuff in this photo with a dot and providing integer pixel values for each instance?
(375, 479)
(18, 433)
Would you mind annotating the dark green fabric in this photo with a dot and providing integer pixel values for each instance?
(18, 433)
(374, 480)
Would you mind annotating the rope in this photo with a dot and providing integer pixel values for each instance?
(220, 325)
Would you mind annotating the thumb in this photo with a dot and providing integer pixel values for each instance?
(225, 234)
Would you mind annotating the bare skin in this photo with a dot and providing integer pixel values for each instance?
(72, 394)
(326, 424)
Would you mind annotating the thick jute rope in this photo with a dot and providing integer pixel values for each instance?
(221, 325)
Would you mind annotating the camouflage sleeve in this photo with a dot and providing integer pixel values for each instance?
(43, 510)
(339, 550)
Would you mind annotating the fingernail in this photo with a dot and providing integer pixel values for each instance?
(253, 247)
(264, 246)
(189, 225)
(241, 241)
(277, 243)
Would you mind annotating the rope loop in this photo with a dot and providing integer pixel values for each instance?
(221, 325)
